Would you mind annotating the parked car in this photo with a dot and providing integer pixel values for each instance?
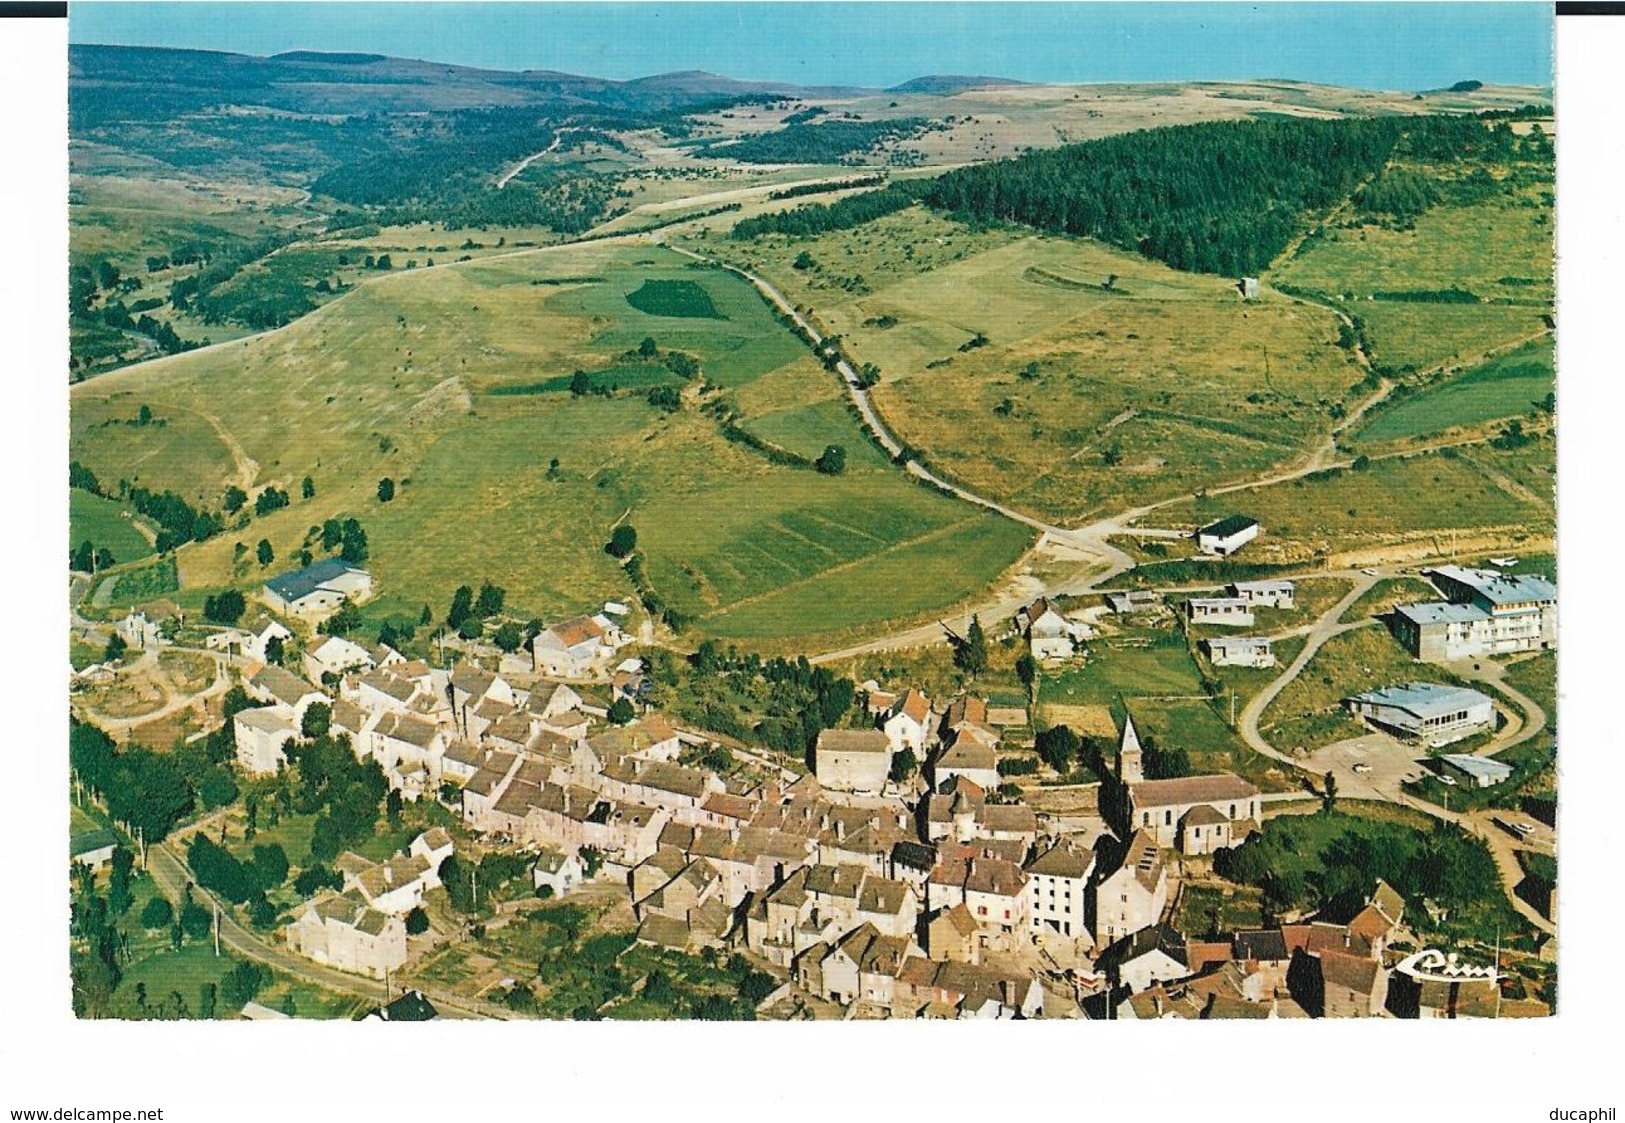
(1362, 767)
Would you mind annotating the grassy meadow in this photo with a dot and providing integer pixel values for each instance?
(413, 377)
(103, 523)
(1390, 499)
(1064, 376)
(1505, 386)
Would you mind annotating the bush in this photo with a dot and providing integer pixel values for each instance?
(417, 922)
(622, 541)
(157, 915)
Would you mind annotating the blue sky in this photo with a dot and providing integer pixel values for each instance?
(1404, 46)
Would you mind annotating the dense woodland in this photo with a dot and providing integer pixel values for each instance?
(1219, 197)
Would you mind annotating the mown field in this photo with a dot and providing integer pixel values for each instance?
(101, 522)
(1507, 386)
(413, 377)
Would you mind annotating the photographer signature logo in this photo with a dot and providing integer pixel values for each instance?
(1432, 965)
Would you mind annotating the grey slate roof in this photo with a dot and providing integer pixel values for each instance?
(1423, 699)
(1441, 612)
(302, 582)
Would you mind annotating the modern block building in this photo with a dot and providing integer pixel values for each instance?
(1427, 712)
(1486, 613)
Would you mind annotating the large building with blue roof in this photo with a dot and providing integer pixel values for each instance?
(317, 590)
(1486, 613)
(1429, 712)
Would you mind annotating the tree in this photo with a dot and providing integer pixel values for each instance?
(114, 651)
(143, 416)
(208, 997)
(648, 349)
(621, 712)
(804, 260)
(622, 541)
(157, 914)
(490, 600)
(83, 560)
(264, 553)
(1058, 747)
(392, 807)
(904, 764)
(195, 920)
(119, 898)
(234, 500)
(580, 384)
(226, 608)
(508, 637)
(270, 865)
(832, 462)
(1328, 793)
(386, 490)
(1027, 669)
(354, 543)
(273, 650)
(970, 654)
(462, 606)
(417, 921)
(307, 488)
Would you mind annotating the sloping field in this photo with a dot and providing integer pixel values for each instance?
(1065, 376)
(102, 523)
(400, 378)
(1506, 386)
(1438, 491)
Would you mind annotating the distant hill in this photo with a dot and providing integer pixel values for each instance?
(948, 84)
(337, 57)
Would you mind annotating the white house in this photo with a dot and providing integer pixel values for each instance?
(908, 724)
(256, 645)
(433, 846)
(343, 931)
(1265, 594)
(853, 760)
(274, 686)
(1226, 536)
(1050, 635)
(318, 590)
(1229, 612)
(1132, 897)
(262, 736)
(1057, 882)
(1427, 712)
(1239, 651)
(574, 648)
(336, 655)
(560, 871)
(1149, 956)
(139, 632)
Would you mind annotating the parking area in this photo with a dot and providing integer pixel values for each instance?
(1369, 767)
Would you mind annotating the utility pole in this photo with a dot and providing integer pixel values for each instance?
(1232, 707)
(141, 841)
(217, 929)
